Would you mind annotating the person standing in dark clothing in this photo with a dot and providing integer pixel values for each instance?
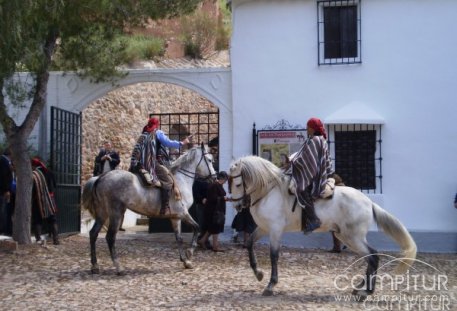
(44, 208)
(243, 222)
(215, 211)
(106, 160)
(6, 179)
(199, 190)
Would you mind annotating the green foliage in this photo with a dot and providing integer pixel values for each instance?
(198, 34)
(224, 27)
(142, 47)
(79, 35)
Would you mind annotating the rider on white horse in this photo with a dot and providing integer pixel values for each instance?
(311, 168)
(150, 158)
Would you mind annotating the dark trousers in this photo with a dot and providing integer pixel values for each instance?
(3, 214)
(200, 213)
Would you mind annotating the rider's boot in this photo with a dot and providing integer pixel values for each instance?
(165, 197)
(311, 221)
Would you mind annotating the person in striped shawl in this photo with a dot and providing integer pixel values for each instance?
(44, 208)
(311, 167)
(150, 159)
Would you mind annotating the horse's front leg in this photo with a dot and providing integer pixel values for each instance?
(255, 236)
(176, 224)
(195, 230)
(274, 256)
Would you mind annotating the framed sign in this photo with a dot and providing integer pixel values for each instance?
(277, 145)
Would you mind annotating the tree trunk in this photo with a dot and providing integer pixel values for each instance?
(23, 207)
(17, 141)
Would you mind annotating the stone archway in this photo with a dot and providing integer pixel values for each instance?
(120, 115)
(67, 91)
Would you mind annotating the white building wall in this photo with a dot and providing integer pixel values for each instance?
(408, 77)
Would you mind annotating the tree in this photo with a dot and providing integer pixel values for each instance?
(39, 36)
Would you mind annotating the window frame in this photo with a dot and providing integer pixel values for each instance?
(322, 60)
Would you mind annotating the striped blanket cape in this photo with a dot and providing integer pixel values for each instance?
(144, 153)
(311, 166)
(43, 199)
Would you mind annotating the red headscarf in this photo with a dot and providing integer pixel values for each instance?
(153, 124)
(317, 125)
(36, 162)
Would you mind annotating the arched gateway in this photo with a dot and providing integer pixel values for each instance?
(68, 92)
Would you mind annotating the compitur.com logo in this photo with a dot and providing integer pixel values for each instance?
(423, 287)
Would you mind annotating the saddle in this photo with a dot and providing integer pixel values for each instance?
(326, 193)
(146, 181)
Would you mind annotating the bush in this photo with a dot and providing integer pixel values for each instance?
(198, 34)
(224, 26)
(142, 48)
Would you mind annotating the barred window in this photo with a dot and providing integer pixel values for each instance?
(356, 153)
(339, 32)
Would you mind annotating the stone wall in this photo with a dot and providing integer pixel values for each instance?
(120, 116)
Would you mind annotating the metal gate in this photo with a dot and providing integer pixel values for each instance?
(65, 162)
(204, 126)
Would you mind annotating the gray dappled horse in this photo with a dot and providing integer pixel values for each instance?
(261, 186)
(109, 195)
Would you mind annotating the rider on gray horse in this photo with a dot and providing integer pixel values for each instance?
(150, 159)
(311, 169)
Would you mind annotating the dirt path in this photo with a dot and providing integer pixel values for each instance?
(59, 278)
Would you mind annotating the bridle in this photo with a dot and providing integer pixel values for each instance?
(196, 176)
(245, 198)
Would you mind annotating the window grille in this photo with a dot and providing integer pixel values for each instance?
(356, 154)
(204, 126)
(339, 32)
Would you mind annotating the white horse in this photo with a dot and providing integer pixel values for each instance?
(108, 196)
(260, 185)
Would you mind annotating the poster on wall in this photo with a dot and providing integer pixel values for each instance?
(276, 145)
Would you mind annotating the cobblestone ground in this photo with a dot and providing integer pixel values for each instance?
(58, 278)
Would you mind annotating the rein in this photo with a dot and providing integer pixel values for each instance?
(194, 175)
(246, 197)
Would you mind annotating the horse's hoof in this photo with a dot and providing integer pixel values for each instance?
(360, 295)
(189, 253)
(95, 270)
(259, 275)
(267, 292)
(121, 273)
(188, 264)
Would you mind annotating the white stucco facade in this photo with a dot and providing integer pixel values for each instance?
(406, 82)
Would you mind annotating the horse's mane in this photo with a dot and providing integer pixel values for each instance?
(184, 160)
(258, 172)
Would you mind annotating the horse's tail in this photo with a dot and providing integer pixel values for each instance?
(395, 229)
(88, 195)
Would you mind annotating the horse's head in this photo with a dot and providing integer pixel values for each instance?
(237, 186)
(249, 175)
(205, 167)
(195, 163)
